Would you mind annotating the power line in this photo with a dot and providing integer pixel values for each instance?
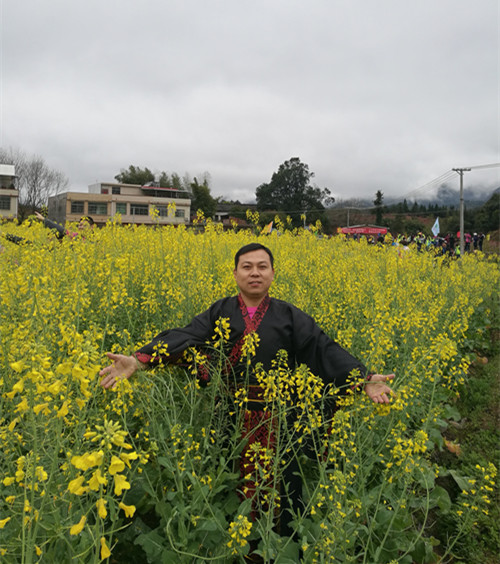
(431, 185)
(446, 176)
(493, 165)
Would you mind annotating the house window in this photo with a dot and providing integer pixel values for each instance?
(98, 208)
(162, 211)
(4, 202)
(77, 207)
(180, 213)
(104, 190)
(115, 189)
(139, 209)
(121, 208)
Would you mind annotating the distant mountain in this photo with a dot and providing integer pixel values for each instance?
(473, 197)
(445, 196)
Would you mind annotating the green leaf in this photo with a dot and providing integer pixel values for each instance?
(425, 477)
(207, 525)
(152, 544)
(462, 481)
(165, 462)
(169, 556)
(451, 412)
(440, 497)
(423, 551)
(384, 516)
(436, 437)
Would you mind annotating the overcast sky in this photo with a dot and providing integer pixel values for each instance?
(385, 94)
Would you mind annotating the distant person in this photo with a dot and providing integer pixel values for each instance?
(468, 240)
(480, 241)
(86, 223)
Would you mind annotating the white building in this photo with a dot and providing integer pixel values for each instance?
(133, 202)
(9, 196)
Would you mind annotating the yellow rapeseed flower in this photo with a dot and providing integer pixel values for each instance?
(41, 474)
(87, 460)
(105, 552)
(18, 366)
(128, 456)
(101, 508)
(97, 480)
(42, 407)
(120, 484)
(116, 465)
(76, 486)
(63, 410)
(128, 509)
(78, 528)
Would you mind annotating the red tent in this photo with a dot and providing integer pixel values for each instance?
(365, 230)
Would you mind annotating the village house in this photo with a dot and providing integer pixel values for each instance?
(9, 196)
(145, 205)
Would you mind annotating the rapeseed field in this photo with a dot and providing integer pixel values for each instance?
(148, 471)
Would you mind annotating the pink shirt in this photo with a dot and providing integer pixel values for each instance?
(251, 311)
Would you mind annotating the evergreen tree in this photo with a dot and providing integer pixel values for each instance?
(377, 202)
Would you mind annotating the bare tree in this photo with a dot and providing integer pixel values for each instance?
(35, 180)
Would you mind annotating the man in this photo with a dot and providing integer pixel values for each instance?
(280, 327)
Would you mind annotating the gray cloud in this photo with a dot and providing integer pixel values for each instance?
(371, 95)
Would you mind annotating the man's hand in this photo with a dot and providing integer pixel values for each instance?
(377, 389)
(122, 367)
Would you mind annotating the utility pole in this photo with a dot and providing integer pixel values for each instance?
(460, 172)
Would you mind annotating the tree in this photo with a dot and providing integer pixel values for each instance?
(135, 175)
(35, 180)
(176, 182)
(377, 202)
(290, 191)
(486, 218)
(202, 199)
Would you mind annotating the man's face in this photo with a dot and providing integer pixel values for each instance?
(254, 275)
(84, 225)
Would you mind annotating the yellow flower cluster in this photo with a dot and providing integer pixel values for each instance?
(477, 493)
(100, 467)
(239, 530)
(298, 389)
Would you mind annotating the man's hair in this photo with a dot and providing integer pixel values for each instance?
(88, 219)
(248, 249)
